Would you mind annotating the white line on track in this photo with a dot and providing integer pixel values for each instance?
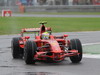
(96, 56)
(91, 56)
(91, 44)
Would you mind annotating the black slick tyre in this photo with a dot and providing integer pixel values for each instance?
(29, 52)
(76, 44)
(17, 52)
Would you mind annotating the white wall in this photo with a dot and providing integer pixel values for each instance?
(70, 2)
(35, 2)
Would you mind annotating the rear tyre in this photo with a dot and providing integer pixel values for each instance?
(29, 52)
(17, 52)
(76, 44)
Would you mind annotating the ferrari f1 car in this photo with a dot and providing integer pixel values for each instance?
(56, 48)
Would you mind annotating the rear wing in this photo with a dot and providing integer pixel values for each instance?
(48, 29)
(34, 29)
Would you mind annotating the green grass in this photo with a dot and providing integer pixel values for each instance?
(13, 25)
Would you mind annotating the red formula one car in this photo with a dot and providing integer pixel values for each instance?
(56, 48)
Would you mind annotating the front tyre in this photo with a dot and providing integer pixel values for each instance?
(76, 44)
(30, 50)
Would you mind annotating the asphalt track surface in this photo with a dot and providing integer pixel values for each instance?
(88, 66)
(46, 15)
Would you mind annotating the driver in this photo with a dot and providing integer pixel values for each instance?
(45, 35)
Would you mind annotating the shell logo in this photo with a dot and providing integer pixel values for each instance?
(6, 13)
(54, 43)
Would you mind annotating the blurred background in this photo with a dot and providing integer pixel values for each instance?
(48, 2)
(52, 5)
(27, 14)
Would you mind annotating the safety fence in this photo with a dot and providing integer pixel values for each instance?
(54, 8)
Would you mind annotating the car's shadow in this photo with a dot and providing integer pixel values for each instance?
(65, 62)
(62, 63)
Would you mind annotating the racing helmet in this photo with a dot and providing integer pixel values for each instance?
(45, 35)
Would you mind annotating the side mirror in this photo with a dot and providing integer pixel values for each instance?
(65, 35)
(27, 37)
